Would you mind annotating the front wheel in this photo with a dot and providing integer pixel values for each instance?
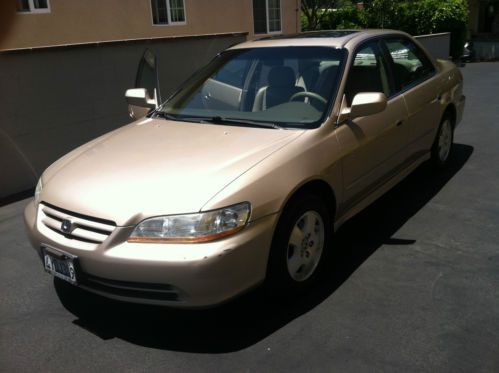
(299, 246)
(442, 147)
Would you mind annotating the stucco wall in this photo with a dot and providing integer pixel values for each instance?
(77, 21)
(55, 99)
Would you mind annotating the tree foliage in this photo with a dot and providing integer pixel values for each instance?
(314, 11)
(415, 17)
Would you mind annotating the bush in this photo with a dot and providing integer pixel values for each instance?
(423, 17)
(451, 16)
(348, 17)
(416, 17)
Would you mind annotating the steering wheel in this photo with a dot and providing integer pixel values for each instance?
(309, 94)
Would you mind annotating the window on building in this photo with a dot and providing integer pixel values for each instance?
(166, 12)
(267, 16)
(33, 6)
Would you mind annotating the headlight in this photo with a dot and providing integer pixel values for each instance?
(191, 228)
(38, 190)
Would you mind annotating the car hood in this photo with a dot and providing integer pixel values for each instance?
(156, 167)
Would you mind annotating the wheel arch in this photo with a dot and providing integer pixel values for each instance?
(451, 111)
(316, 187)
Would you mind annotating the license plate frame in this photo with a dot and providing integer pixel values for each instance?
(60, 264)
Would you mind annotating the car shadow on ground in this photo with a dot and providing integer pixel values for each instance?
(252, 317)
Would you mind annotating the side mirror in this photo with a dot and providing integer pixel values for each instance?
(146, 94)
(139, 102)
(365, 104)
(140, 97)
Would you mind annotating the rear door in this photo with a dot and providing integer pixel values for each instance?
(416, 79)
(374, 146)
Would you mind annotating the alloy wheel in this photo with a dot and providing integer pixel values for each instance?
(305, 246)
(445, 140)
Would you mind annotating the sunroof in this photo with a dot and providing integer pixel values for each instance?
(314, 34)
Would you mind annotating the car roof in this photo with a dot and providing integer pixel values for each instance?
(328, 38)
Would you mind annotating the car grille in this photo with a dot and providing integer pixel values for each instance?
(83, 228)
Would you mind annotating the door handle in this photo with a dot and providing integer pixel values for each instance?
(436, 99)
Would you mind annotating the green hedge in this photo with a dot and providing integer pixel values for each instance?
(347, 17)
(416, 17)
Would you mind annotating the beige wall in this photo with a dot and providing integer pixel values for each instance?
(83, 21)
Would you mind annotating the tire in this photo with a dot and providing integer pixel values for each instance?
(299, 246)
(442, 147)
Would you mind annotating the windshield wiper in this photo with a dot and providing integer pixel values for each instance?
(223, 120)
(215, 120)
(162, 114)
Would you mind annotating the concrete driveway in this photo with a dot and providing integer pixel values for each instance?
(413, 286)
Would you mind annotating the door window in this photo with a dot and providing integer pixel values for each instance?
(147, 74)
(410, 64)
(368, 73)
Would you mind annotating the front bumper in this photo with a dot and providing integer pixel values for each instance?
(179, 275)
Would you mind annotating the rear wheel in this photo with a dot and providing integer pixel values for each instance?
(299, 246)
(442, 147)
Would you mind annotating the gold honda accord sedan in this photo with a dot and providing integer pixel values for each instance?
(241, 176)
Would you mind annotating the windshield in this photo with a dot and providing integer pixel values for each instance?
(281, 86)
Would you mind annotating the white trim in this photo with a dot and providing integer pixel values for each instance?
(280, 20)
(33, 10)
(169, 24)
(168, 15)
(185, 15)
(267, 15)
(267, 23)
(168, 12)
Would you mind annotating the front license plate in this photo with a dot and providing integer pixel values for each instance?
(60, 264)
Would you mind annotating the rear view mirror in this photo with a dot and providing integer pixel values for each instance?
(146, 95)
(365, 104)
